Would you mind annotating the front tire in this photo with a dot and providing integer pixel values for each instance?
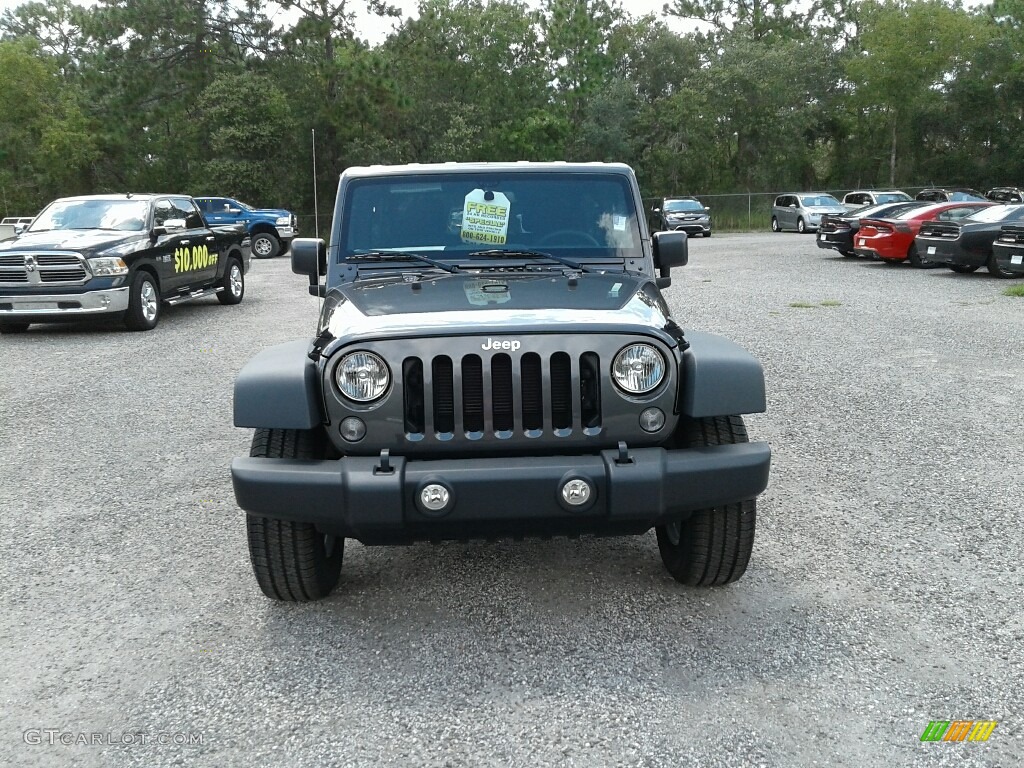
(143, 303)
(232, 285)
(801, 227)
(265, 246)
(712, 546)
(292, 561)
(775, 225)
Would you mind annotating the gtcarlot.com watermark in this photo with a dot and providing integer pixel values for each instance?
(52, 737)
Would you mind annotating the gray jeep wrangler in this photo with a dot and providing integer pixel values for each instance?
(494, 358)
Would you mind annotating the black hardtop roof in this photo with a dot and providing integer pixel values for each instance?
(522, 166)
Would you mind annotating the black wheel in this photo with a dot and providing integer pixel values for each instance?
(13, 327)
(232, 285)
(265, 246)
(712, 546)
(914, 257)
(292, 561)
(708, 233)
(143, 303)
(962, 269)
(800, 226)
(775, 225)
(995, 270)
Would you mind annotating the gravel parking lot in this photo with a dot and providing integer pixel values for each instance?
(884, 592)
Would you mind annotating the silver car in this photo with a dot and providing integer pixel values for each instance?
(803, 211)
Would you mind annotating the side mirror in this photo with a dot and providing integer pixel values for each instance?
(671, 249)
(19, 228)
(707, 209)
(309, 257)
(655, 209)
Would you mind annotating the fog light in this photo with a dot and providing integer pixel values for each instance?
(576, 492)
(652, 419)
(434, 497)
(352, 429)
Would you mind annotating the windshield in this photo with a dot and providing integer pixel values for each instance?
(127, 215)
(810, 201)
(892, 197)
(961, 197)
(675, 206)
(452, 215)
(243, 206)
(998, 213)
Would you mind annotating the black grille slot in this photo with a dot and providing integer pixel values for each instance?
(561, 391)
(501, 393)
(8, 275)
(57, 260)
(412, 383)
(532, 391)
(472, 393)
(590, 389)
(444, 394)
(61, 275)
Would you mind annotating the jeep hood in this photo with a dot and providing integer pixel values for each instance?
(547, 302)
(88, 242)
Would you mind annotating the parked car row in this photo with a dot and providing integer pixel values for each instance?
(963, 236)
(803, 212)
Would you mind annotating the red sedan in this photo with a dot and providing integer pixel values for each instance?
(892, 240)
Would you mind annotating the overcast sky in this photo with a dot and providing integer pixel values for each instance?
(376, 29)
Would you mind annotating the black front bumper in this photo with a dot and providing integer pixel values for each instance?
(358, 498)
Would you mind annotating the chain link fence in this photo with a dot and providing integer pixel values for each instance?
(736, 212)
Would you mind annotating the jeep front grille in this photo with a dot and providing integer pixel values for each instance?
(500, 395)
(38, 268)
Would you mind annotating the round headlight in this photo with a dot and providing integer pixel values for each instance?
(638, 369)
(362, 376)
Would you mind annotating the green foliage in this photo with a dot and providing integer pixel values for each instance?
(46, 146)
(768, 95)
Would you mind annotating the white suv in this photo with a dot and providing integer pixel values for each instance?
(862, 197)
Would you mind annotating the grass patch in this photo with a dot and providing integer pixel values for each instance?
(831, 303)
(1015, 290)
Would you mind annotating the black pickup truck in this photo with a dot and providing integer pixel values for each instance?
(126, 255)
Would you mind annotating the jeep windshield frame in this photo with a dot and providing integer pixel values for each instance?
(586, 217)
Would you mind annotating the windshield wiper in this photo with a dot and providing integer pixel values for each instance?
(497, 253)
(401, 256)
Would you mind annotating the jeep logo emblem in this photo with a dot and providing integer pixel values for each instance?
(512, 346)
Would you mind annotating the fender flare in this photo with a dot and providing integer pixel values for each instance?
(720, 378)
(279, 389)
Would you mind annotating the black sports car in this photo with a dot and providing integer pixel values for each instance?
(966, 245)
(1008, 250)
(836, 231)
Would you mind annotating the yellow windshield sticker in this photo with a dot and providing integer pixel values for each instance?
(485, 217)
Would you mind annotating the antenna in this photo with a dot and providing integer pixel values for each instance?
(316, 226)
(316, 207)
